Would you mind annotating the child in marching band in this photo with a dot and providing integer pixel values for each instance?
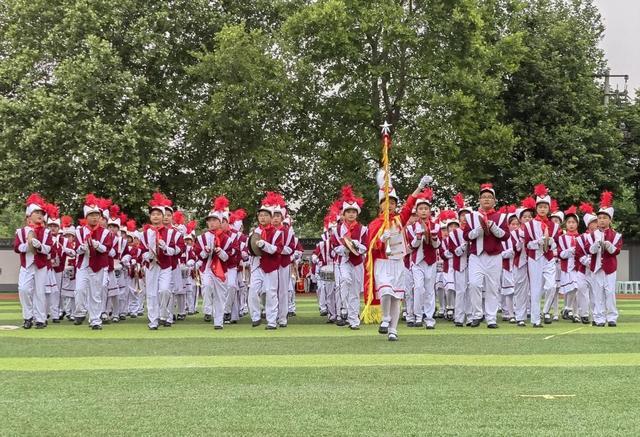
(388, 269)
(540, 234)
(508, 267)
(568, 267)
(604, 249)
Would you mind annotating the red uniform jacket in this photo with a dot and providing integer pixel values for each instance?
(178, 247)
(40, 257)
(98, 258)
(274, 239)
(212, 260)
(488, 242)
(604, 259)
(149, 243)
(534, 231)
(289, 240)
(423, 249)
(357, 232)
(378, 251)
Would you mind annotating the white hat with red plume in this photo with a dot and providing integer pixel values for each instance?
(220, 208)
(488, 188)
(350, 200)
(542, 194)
(461, 205)
(606, 203)
(159, 202)
(34, 203)
(587, 210)
(91, 205)
(381, 179)
(53, 214)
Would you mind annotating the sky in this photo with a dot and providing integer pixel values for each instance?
(621, 41)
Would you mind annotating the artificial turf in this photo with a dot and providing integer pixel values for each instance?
(318, 379)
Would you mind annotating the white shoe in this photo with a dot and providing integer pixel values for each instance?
(393, 337)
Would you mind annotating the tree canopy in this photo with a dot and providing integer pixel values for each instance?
(198, 98)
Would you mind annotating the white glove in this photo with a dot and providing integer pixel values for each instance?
(385, 235)
(95, 244)
(425, 181)
(260, 243)
(607, 245)
(133, 262)
(585, 260)
(69, 252)
(287, 250)
(191, 263)
(148, 256)
(36, 244)
(460, 249)
(314, 258)
(162, 244)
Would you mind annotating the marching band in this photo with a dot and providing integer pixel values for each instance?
(462, 265)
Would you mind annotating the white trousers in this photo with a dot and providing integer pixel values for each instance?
(408, 296)
(53, 298)
(542, 280)
(582, 295)
(233, 295)
(521, 292)
(322, 296)
(424, 297)
(89, 290)
(31, 290)
(332, 298)
(158, 283)
(283, 294)
(292, 295)
(215, 291)
(484, 275)
(462, 298)
(264, 284)
(390, 312)
(351, 283)
(604, 294)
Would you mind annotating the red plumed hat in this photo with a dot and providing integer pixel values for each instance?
(66, 221)
(572, 210)
(425, 196)
(53, 212)
(191, 226)
(240, 214)
(487, 187)
(178, 218)
(606, 203)
(158, 201)
(350, 200)
(131, 225)
(586, 208)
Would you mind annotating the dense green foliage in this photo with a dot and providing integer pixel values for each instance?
(198, 98)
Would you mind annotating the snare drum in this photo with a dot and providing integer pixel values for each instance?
(327, 273)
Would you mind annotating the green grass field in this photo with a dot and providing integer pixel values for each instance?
(317, 379)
